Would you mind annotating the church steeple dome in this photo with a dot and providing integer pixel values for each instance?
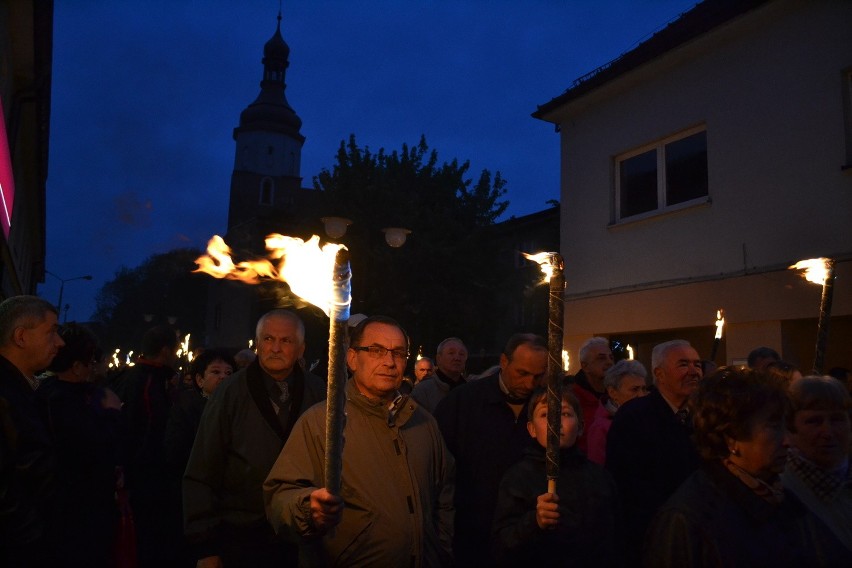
(271, 111)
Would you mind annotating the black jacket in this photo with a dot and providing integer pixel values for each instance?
(87, 439)
(486, 438)
(649, 454)
(588, 509)
(27, 472)
(715, 520)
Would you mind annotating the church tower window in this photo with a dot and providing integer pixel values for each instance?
(267, 189)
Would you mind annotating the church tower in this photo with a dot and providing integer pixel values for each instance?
(266, 197)
(266, 177)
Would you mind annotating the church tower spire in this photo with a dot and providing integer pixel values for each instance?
(269, 143)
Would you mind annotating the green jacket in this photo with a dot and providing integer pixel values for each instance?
(397, 484)
(238, 440)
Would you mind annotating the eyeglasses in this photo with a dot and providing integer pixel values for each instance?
(378, 352)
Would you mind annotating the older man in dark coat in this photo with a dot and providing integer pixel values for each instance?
(649, 447)
(244, 426)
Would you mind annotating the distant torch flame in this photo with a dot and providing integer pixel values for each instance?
(720, 323)
(815, 269)
(629, 351)
(303, 265)
(543, 260)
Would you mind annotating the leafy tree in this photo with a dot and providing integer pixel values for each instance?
(162, 287)
(442, 282)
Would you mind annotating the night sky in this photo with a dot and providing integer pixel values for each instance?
(146, 96)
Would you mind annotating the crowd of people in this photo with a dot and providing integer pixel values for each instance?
(226, 466)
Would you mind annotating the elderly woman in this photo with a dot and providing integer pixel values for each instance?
(818, 471)
(624, 381)
(733, 511)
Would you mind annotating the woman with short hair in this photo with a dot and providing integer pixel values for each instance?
(623, 381)
(733, 511)
(818, 471)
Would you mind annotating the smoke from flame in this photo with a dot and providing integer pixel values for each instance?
(303, 265)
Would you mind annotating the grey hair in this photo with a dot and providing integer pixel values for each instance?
(592, 342)
(658, 355)
(431, 362)
(26, 311)
(617, 372)
(283, 314)
(441, 345)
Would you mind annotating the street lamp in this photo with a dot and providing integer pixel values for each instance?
(335, 227)
(62, 286)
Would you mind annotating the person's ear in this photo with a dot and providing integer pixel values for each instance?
(531, 428)
(351, 358)
(18, 335)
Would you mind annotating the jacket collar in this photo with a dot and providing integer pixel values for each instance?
(395, 413)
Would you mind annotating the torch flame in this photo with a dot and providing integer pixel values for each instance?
(815, 269)
(303, 265)
(544, 260)
(629, 351)
(720, 322)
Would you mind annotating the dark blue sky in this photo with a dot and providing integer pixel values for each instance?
(146, 96)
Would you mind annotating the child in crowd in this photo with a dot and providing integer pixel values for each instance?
(578, 522)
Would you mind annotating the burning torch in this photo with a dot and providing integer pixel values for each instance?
(820, 271)
(336, 398)
(322, 278)
(717, 339)
(553, 267)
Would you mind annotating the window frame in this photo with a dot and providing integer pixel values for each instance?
(662, 185)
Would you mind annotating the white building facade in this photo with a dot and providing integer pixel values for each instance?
(697, 167)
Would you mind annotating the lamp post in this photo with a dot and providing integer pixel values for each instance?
(62, 287)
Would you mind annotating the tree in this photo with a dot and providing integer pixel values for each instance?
(161, 289)
(442, 282)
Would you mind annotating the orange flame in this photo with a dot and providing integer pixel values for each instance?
(543, 260)
(303, 265)
(815, 269)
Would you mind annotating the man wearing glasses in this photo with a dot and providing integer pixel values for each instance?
(395, 502)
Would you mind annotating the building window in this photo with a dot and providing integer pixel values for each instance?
(667, 173)
(267, 187)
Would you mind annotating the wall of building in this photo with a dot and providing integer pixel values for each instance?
(769, 88)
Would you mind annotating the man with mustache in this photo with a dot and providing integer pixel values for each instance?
(650, 451)
(245, 424)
